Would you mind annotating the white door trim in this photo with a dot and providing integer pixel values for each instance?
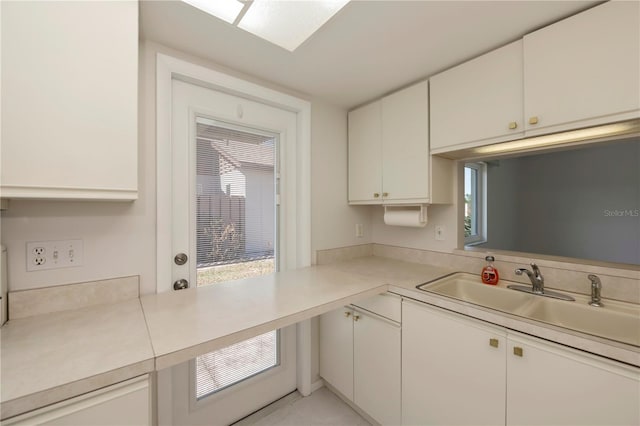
(168, 67)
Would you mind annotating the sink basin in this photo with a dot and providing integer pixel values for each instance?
(617, 321)
(469, 288)
(612, 321)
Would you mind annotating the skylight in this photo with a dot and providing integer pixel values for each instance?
(227, 10)
(286, 23)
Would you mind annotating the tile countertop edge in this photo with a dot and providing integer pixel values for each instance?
(177, 357)
(598, 346)
(60, 393)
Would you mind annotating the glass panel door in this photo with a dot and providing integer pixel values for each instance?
(236, 238)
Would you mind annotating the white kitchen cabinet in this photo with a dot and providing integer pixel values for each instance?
(451, 361)
(126, 403)
(376, 367)
(478, 102)
(584, 70)
(70, 100)
(453, 369)
(548, 384)
(365, 153)
(336, 350)
(389, 160)
(360, 357)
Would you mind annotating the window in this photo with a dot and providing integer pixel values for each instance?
(236, 236)
(475, 203)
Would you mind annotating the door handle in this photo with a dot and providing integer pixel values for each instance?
(181, 284)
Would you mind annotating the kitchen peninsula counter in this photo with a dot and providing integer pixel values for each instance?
(51, 357)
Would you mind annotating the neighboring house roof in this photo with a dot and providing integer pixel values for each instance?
(239, 148)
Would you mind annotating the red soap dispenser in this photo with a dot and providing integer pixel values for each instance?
(489, 272)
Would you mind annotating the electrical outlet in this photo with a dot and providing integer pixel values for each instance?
(439, 233)
(359, 230)
(54, 254)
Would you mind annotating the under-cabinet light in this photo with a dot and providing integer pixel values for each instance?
(604, 132)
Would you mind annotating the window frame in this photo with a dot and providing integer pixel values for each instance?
(481, 200)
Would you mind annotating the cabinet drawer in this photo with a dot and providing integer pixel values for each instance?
(386, 305)
(125, 403)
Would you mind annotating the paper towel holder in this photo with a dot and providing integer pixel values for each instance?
(418, 207)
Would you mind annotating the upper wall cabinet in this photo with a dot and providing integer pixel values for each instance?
(389, 161)
(365, 154)
(584, 70)
(478, 102)
(579, 72)
(69, 100)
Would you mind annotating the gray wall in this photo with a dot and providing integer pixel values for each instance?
(581, 203)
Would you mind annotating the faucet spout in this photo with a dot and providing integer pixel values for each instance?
(535, 276)
(537, 284)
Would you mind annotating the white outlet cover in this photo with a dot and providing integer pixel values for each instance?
(42, 255)
(440, 230)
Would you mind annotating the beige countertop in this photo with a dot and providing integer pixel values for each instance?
(48, 358)
(192, 322)
(51, 357)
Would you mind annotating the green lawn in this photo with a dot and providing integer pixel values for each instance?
(234, 271)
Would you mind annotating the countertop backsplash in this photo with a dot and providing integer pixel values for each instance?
(617, 283)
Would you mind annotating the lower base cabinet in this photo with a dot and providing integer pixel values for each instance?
(453, 369)
(126, 403)
(376, 367)
(457, 370)
(360, 357)
(548, 384)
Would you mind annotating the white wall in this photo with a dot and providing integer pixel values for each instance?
(333, 220)
(119, 238)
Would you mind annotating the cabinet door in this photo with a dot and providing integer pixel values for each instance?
(365, 149)
(405, 145)
(336, 350)
(478, 102)
(584, 70)
(70, 100)
(548, 384)
(376, 352)
(126, 403)
(453, 370)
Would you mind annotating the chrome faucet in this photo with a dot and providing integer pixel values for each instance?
(537, 284)
(536, 278)
(596, 286)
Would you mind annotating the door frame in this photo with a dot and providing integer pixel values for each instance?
(169, 68)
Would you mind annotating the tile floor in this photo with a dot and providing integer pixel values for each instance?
(322, 407)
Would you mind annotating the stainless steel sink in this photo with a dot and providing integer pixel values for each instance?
(617, 321)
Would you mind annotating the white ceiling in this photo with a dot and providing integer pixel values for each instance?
(370, 48)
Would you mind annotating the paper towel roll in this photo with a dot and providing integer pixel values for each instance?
(404, 217)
